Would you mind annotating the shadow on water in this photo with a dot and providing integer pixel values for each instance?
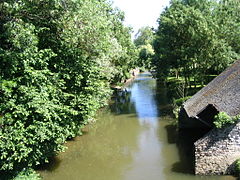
(136, 97)
(185, 143)
(174, 137)
(184, 140)
(122, 103)
(171, 133)
(53, 164)
(163, 101)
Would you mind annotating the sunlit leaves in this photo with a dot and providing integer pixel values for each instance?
(57, 61)
(196, 38)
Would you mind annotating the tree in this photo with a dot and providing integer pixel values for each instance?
(143, 41)
(190, 42)
(144, 36)
(57, 62)
(146, 53)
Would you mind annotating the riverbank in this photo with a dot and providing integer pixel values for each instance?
(133, 74)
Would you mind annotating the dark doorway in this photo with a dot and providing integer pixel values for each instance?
(207, 114)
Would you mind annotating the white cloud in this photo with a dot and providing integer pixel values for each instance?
(139, 13)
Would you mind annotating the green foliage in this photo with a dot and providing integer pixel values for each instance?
(28, 174)
(237, 167)
(143, 41)
(180, 101)
(24, 174)
(222, 119)
(146, 53)
(144, 36)
(177, 104)
(195, 39)
(57, 61)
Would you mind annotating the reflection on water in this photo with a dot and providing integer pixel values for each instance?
(133, 139)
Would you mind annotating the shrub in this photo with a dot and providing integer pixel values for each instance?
(28, 174)
(222, 119)
(237, 167)
(177, 103)
(180, 101)
(57, 60)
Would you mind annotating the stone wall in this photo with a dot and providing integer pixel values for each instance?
(217, 151)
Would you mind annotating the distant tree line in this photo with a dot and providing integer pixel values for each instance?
(58, 59)
(144, 44)
(197, 38)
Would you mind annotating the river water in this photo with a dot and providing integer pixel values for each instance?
(133, 139)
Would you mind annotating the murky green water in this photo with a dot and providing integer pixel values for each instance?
(133, 139)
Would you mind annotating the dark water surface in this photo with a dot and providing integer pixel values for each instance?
(133, 139)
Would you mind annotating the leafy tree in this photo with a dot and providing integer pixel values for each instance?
(57, 62)
(190, 42)
(145, 55)
(143, 41)
(144, 36)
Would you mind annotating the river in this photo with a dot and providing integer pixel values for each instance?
(133, 139)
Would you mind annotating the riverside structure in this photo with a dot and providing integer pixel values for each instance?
(216, 151)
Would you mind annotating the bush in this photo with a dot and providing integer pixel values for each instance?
(237, 167)
(222, 119)
(180, 101)
(24, 174)
(28, 174)
(57, 61)
(177, 103)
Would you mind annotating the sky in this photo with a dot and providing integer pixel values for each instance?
(139, 13)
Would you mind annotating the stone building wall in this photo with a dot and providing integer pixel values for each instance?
(217, 151)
